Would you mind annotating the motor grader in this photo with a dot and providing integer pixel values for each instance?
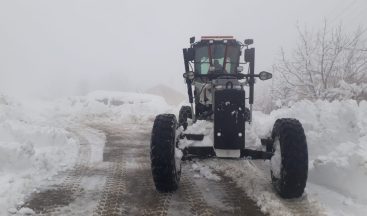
(216, 88)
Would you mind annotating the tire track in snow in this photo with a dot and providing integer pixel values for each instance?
(197, 202)
(237, 199)
(111, 202)
(301, 206)
(190, 199)
(138, 196)
(49, 201)
(129, 187)
(254, 178)
(153, 202)
(222, 196)
(141, 195)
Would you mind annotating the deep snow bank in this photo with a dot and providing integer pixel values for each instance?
(41, 138)
(337, 143)
(112, 106)
(31, 150)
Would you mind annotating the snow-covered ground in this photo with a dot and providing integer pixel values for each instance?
(40, 139)
(337, 143)
(32, 149)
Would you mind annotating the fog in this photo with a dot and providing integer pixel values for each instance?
(54, 48)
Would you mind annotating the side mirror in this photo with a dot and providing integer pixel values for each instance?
(189, 75)
(263, 75)
(249, 55)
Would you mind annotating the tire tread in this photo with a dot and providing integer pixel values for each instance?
(162, 154)
(294, 153)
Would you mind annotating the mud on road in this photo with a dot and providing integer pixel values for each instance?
(122, 184)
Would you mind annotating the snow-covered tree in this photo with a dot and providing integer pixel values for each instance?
(322, 62)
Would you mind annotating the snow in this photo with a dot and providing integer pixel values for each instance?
(254, 178)
(111, 106)
(204, 171)
(337, 143)
(347, 91)
(199, 127)
(178, 153)
(41, 138)
(26, 211)
(276, 160)
(31, 150)
(337, 204)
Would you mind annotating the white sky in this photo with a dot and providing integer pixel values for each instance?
(54, 48)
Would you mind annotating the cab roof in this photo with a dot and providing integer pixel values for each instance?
(205, 40)
(217, 38)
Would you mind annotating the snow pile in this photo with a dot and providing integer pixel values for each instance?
(337, 143)
(42, 138)
(200, 127)
(113, 106)
(31, 150)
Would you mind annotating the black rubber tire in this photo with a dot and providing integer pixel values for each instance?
(165, 173)
(184, 114)
(294, 158)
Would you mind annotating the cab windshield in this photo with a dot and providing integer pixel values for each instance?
(216, 58)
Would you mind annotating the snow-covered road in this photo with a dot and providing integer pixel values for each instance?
(90, 156)
(121, 184)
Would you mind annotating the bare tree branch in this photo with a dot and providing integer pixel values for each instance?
(320, 61)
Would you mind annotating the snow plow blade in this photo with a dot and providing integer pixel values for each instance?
(255, 154)
(196, 137)
(198, 152)
(208, 151)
